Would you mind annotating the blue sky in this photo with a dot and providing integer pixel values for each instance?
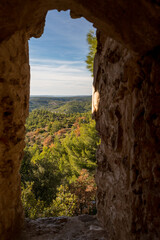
(57, 59)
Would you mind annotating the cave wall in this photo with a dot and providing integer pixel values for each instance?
(126, 107)
(14, 100)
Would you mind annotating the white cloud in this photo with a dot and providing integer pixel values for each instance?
(35, 61)
(54, 77)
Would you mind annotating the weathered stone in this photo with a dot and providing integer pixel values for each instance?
(12, 119)
(75, 228)
(127, 183)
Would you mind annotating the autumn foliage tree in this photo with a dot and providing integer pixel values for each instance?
(84, 188)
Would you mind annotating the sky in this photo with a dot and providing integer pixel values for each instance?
(57, 59)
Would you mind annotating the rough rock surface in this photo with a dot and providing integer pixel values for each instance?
(14, 97)
(83, 227)
(126, 105)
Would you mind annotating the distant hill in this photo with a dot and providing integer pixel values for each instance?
(61, 104)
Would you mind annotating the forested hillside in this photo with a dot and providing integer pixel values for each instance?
(59, 159)
(61, 104)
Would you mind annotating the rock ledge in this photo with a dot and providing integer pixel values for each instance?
(83, 227)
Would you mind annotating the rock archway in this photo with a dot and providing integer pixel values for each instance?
(126, 104)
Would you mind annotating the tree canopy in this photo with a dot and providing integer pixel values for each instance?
(59, 163)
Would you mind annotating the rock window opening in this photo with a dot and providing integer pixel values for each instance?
(58, 167)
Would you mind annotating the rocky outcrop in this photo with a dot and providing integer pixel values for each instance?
(127, 111)
(125, 105)
(14, 98)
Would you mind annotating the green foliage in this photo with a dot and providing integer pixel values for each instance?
(26, 167)
(76, 107)
(56, 125)
(33, 208)
(80, 146)
(58, 147)
(92, 42)
(63, 205)
(77, 198)
(46, 176)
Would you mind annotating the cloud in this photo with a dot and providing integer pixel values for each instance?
(54, 77)
(36, 61)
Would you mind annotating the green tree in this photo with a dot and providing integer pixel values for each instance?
(92, 42)
(47, 175)
(33, 208)
(26, 167)
(80, 147)
(56, 125)
(64, 204)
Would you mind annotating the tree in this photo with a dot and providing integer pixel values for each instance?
(47, 176)
(84, 188)
(92, 42)
(64, 204)
(53, 182)
(26, 167)
(33, 208)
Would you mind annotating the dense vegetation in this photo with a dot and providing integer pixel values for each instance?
(59, 159)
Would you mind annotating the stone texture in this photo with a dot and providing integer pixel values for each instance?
(128, 120)
(83, 227)
(14, 97)
(126, 106)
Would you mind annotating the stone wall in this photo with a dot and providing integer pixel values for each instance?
(126, 106)
(14, 98)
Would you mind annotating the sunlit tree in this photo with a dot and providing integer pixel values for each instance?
(92, 42)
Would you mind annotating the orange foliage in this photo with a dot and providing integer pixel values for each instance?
(85, 190)
(61, 132)
(77, 126)
(47, 141)
(51, 145)
(77, 131)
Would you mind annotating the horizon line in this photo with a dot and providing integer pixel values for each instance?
(39, 95)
